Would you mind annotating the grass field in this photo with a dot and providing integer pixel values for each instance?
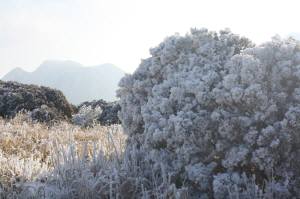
(30, 153)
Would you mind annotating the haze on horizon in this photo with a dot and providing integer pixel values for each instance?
(93, 32)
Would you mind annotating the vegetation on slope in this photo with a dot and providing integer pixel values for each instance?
(45, 104)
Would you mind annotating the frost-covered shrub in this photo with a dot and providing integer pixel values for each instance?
(208, 104)
(16, 97)
(235, 185)
(87, 116)
(42, 114)
(109, 114)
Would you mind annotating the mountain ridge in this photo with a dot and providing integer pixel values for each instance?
(79, 83)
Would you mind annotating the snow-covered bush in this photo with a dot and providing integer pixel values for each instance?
(42, 114)
(109, 113)
(45, 103)
(235, 186)
(209, 104)
(86, 116)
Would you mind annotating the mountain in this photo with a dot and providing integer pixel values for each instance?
(77, 82)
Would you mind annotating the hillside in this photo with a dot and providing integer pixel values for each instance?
(45, 104)
(77, 82)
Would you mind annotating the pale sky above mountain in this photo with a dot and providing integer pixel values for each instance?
(122, 31)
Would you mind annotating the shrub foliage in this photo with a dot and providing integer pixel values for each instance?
(217, 112)
(45, 104)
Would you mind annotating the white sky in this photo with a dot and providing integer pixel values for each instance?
(122, 31)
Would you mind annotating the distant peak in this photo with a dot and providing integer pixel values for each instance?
(58, 64)
(14, 73)
(108, 66)
(17, 69)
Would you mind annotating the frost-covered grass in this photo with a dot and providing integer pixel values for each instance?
(67, 161)
(31, 153)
